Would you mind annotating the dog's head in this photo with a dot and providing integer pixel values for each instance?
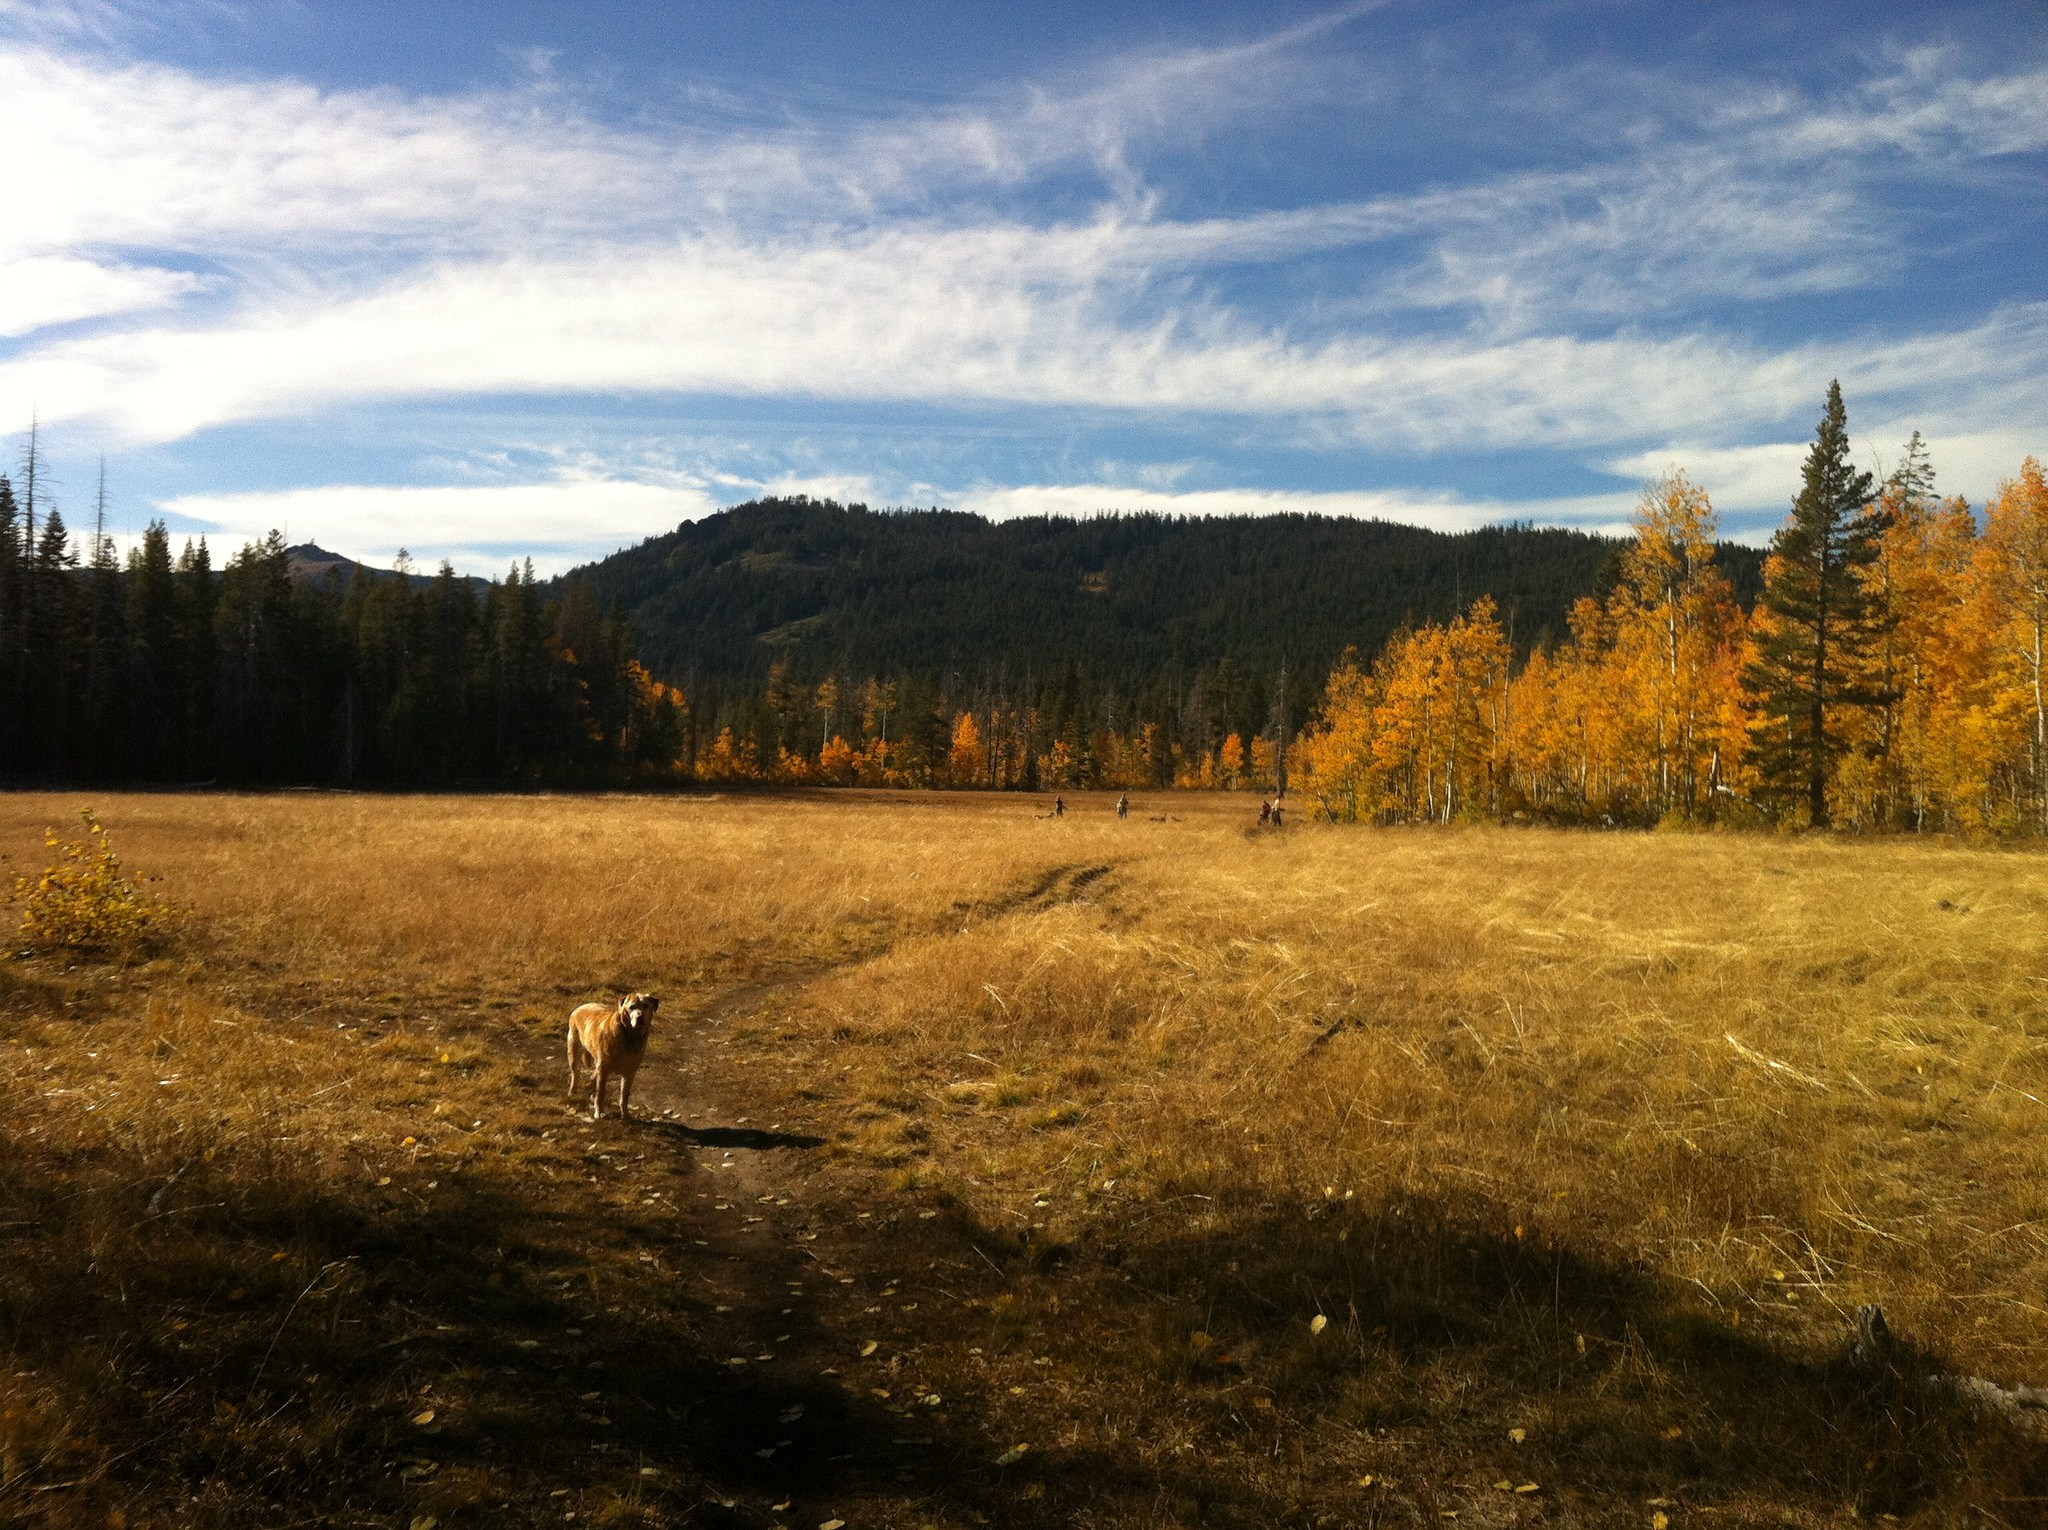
(636, 1010)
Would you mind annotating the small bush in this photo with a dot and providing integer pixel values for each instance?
(82, 903)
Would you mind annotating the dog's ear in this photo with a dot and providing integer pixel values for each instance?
(649, 1003)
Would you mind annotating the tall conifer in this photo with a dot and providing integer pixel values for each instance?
(14, 564)
(1814, 647)
(53, 657)
(1913, 478)
(156, 669)
(105, 645)
(197, 651)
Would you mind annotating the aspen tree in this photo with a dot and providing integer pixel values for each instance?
(2016, 562)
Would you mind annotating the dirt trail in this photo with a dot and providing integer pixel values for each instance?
(731, 1222)
(797, 1297)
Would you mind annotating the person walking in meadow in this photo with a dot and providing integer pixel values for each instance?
(1265, 812)
(1123, 805)
(1276, 815)
(1059, 807)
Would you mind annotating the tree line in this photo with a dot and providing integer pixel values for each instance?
(1890, 676)
(1882, 667)
(163, 668)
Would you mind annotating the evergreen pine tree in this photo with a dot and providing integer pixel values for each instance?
(1815, 642)
(13, 606)
(257, 697)
(22, 638)
(156, 669)
(1914, 477)
(53, 656)
(105, 656)
(517, 673)
(196, 653)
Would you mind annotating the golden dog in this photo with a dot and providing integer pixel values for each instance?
(614, 1040)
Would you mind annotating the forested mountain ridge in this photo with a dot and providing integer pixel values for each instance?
(1889, 674)
(844, 590)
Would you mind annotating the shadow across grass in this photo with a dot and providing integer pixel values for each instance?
(746, 1138)
(282, 1347)
(203, 1325)
(1438, 1319)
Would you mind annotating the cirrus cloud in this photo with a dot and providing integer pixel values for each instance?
(1619, 266)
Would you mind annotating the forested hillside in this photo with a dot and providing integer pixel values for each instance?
(1882, 667)
(1108, 622)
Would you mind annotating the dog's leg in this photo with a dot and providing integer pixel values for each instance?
(573, 1050)
(597, 1093)
(625, 1094)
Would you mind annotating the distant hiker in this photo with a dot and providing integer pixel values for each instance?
(1265, 812)
(1276, 815)
(1123, 805)
(1059, 807)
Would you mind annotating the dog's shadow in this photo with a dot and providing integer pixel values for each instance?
(736, 1136)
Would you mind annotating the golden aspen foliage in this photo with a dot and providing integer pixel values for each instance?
(839, 763)
(1058, 768)
(1673, 627)
(968, 760)
(728, 759)
(1265, 764)
(1922, 583)
(2014, 558)
(85, 904)
(1334, 755)
(1230, 763)
(1636, 717)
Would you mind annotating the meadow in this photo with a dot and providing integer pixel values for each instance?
(991, 1169)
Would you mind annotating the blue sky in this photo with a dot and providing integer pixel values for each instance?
(510, 279)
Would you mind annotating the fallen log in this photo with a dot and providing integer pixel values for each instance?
(1877, 1351)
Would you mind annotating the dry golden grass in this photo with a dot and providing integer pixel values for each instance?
(1583, 1146)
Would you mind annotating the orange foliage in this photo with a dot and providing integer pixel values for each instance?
(968, 761)
(728, 759)
(1638, 716)
(1630, 719)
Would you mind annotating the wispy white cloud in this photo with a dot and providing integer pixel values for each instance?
(1926, 107)
(1735, 477)
(1745, 193)
(132, 153)
(986, 316)
(140, 155)
(99, 23)
(376, 246)
(58, 289)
